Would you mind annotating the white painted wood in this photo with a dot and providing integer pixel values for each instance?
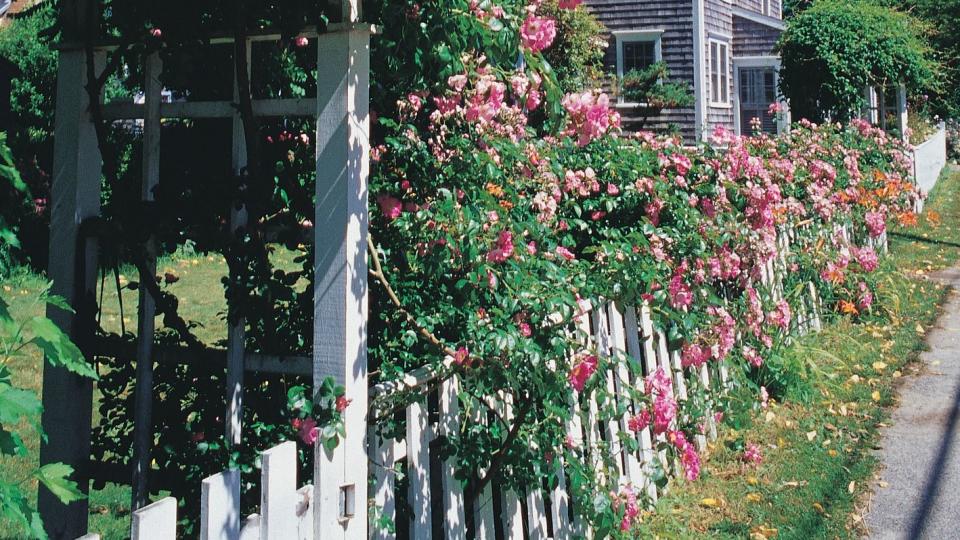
(383, 482)
(536, 515)
(220, 506)
(618, 347)
(304, 512)
(146, 311)
(418, 471)
(251, 528)
(75, 196)
(157, 521)
(646, 442)
(611, 427)
(340, 305)
(454, 518)
(91, 536)
(902, 113)
(646, 326)
(483, 518)
(511, 510)
(560, 505)
(236, 331)
(278, 492)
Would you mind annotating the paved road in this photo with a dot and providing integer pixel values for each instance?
(920, 452)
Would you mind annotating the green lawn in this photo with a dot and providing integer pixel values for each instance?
(818, 465)
(201, 300)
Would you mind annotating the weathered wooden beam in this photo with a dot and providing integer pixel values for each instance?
(167, 354)
(67, 397)
(236, 332)
(147, 309)
(340, 303)
(264, 108)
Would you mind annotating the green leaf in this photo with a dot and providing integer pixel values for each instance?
(58, 348)
(16, 403)
(11, 444)
(60, 302)
(54, 477)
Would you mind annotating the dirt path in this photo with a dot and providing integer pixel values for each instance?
(919, 495)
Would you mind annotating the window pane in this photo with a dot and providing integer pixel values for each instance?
(638, 55)
(724, 76)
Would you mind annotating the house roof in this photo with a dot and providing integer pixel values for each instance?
(766, 20)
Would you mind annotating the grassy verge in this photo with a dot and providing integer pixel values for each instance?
(818, 440)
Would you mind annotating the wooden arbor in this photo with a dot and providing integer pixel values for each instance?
(340, 303)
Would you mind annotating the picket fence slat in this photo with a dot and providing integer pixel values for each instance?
(454, 517)
(483, 518)
(251, 528)
(560, 504)
(278, 492)
(304, 512)
(536, 515)
(383, 482)
(618, 348)
(646, 442)
(156, 521)
(418, 460)
(220, 506)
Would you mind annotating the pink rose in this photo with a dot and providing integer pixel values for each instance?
(309, 431)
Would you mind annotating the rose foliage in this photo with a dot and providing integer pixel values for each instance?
(494, 241)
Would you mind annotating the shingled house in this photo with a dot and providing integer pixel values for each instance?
(724, 49)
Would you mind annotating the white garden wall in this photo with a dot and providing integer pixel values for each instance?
(929, 159)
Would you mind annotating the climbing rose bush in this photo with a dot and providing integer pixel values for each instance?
(498, 237)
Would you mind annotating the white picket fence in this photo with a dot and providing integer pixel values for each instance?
(286, 512)
(539, 513)
(434, 498)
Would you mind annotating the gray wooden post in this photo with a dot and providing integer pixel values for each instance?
(340, 300)
(143, 392)
(68, 398)
(236, 333)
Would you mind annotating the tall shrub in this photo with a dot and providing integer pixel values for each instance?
(835, 49)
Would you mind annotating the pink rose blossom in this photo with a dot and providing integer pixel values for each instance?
(537, 33)
(503, 249)
(565, 253)
(390, 206)
(582, 371)
(309, 431)
(876, 223)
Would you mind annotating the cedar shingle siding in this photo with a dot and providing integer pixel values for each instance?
(676, 19)
(753, 39)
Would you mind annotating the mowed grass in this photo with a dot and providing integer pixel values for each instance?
(201, 301)
(818, 442)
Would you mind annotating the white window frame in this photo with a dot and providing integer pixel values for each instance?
(716, 77)
(654, 35)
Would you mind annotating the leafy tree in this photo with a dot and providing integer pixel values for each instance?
(835, 49)
(17, 337)
(649, 89)
(25, 43)
(944, 18)
(577, 53)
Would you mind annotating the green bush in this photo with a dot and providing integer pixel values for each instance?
(835, 49)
